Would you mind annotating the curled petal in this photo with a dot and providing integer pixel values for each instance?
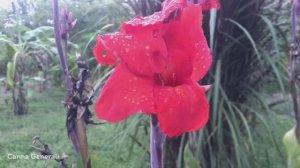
(181, 109)
(124, 94)
(103, 51)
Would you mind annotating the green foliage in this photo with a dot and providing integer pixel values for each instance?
(35, 27)
(109, 145)
(249, 54)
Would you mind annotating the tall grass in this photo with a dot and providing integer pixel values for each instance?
(248, 52)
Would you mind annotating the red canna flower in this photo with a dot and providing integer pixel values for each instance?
(159, 60)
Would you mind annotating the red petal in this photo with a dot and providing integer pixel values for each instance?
(153, 22)
(187, 35)
(102, 53)
(209, 4)
(144, 53)
(147, 53)
(203, 59)
(179, 67)
(168, 7)
(124, 94)
(181, 109)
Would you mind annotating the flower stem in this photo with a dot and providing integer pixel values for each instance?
(79, 139)
(157, 139)
(62, 54)
(294, 54)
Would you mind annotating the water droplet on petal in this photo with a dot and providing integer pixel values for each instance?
(115, 53)
(128, 37)
(197, 45)
(104, 53)
(155, 33)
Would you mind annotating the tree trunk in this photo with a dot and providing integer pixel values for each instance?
(19, 91)
(19, 100)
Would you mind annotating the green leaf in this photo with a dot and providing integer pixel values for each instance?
(293, 149)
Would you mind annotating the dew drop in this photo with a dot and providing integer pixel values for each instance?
(128, 37)
(104, 53)
(155, 33)
(115, 53)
